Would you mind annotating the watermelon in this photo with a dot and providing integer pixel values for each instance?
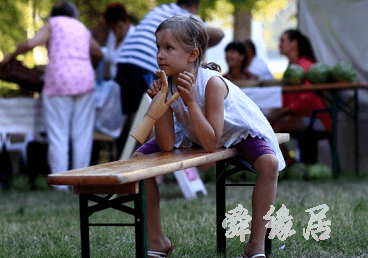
(319, 172)
(297, 171)
(294, 74)
(319, 73)
(343, 72)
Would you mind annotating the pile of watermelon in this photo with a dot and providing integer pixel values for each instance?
(320, 73)
(301, 171)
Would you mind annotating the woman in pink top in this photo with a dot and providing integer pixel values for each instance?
(68, 94)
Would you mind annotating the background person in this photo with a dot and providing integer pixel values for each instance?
(118, 21)
(68, 98)
(297, 106)
(236, 59)
(210, 112)
(137, 57)
(256, 67)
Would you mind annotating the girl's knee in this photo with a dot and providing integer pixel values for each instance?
(267, 165)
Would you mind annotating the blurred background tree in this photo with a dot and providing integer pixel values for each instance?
(22, 18)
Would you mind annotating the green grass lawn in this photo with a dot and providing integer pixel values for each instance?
(46, 223)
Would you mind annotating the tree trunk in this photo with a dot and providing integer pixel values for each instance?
(242, 25)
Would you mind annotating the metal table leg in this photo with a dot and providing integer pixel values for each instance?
(356, 127)
(84, 226)
(335, 154)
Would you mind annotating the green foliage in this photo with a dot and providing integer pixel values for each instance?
(11, 29)
(8, 90)
(21, 16)
(92, 10)
(20, 183)
(205, 8)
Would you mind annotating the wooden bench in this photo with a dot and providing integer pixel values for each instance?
(126, 178)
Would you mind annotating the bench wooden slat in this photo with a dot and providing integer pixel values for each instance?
(147, 166)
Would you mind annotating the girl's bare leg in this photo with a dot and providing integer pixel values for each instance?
(157, 241)
(264, 194)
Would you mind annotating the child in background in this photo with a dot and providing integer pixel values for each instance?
(236, 59)
(211, 112)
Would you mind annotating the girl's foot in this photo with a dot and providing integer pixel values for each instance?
(164, 247)
(251, 250)
(254, 256)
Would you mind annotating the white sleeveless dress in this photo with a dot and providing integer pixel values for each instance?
(242, 117)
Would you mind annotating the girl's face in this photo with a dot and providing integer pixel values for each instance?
(172, 58)
(234, 58)
(286, 45)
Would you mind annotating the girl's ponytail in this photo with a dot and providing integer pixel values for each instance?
(212, 66)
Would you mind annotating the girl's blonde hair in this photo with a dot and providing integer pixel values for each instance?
(190, 33)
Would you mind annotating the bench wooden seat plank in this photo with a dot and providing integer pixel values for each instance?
(140, 168)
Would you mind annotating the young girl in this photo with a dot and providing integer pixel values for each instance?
(211, 112)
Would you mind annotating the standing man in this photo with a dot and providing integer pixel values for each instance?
(136, 60)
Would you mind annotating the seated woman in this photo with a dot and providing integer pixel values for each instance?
(236, 59)
(297, 106)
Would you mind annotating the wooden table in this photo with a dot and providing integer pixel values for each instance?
(336, 104)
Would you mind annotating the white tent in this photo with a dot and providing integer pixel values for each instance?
(338, 30)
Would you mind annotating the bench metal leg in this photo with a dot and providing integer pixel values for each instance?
(220, 207)
(103, 203)
(84, 226)
(141, 223)
(268, 243)
(221, 202)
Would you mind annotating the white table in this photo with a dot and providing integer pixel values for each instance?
(21, 115)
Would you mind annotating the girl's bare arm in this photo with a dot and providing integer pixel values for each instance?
(164, 131)
(208, 126)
